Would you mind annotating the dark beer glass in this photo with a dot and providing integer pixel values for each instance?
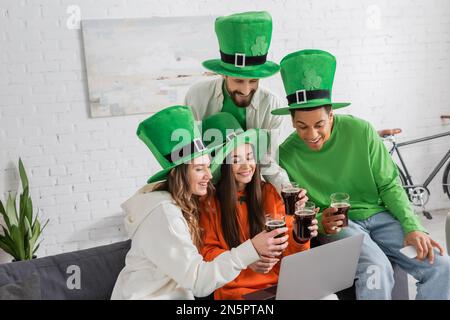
(275, 221)
(341, 201)
(304, 215)
(289, 193)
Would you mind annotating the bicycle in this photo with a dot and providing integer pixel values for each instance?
(418, 194)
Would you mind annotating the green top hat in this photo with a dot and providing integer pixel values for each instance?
(173, 137)
(222, 129)
(244, 40)
(308, 80)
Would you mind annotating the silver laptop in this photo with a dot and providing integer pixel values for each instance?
(320, 271)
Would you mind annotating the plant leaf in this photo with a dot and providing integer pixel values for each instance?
(35, 233)
(45, 224)
(22, 209)
(21, 233)
(26, 214)
(7, 248)
(18, 240)
(2, 208)
(23, 204)
(11, 211)
(35, 249)
(28, 238)
(5, 216)
(29, 210)
(5, 232)
(27, 227)
(23, 175)
(6, 239)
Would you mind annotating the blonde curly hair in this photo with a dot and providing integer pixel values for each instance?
(177, 184)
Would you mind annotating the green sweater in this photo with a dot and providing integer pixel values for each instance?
(354, 160)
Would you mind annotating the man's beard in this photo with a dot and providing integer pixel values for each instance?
(235, 95)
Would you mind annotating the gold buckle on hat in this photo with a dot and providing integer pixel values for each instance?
(236, 60)
(303, 96)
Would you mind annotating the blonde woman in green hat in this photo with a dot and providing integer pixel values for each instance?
(331, 153)
(162, 221)
(244, 40)
(238, 209)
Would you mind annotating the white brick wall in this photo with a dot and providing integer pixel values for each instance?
(395, 70)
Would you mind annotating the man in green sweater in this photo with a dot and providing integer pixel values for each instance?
(331, 153)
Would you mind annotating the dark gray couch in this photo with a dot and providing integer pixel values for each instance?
(52, 277)
(98, 269)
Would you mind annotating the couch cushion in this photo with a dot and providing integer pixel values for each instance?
(85, 274)
(27, 289)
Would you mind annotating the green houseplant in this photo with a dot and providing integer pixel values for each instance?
(22, 229)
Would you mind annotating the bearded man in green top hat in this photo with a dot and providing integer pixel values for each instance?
(331, 153)
(244, 40)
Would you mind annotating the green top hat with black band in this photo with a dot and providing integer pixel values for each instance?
(244, 40)
(308, 80)
(173, 137)
(224, 134)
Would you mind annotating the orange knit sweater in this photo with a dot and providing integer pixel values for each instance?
(214, 242)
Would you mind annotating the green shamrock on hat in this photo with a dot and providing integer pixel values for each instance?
(311, 80)
(259, 48)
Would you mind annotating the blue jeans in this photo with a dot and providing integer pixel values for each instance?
(383, 238)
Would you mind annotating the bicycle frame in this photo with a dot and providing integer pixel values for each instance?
(396, 146)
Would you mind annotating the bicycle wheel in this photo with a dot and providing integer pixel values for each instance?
(402, 176)
(446, 180)
(403, 181)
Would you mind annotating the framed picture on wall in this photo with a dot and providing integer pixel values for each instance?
(143, 65)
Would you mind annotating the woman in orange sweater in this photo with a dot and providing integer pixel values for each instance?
(237, 211)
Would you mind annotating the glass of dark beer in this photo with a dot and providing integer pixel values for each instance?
(341, 201)
(289, 192)
(274, 221)
(304, 215)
